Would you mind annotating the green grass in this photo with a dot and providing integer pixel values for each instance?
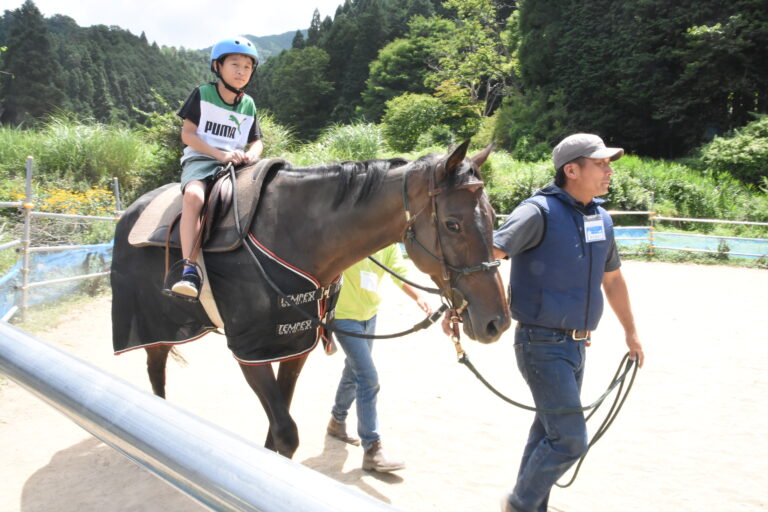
(338, 143)
(79, 155)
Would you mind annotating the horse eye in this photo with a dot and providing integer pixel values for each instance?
(453, 225)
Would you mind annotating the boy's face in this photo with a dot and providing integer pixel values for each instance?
(236, 69)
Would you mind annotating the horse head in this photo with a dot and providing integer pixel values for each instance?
(450, 238)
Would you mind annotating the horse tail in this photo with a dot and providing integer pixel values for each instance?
(176, 355)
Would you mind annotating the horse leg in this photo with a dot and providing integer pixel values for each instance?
(287, 376)
(157, 356)
(283, 435)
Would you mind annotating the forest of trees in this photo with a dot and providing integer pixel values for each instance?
(659, 78)
(99, 72)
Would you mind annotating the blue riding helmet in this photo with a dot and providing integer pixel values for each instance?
(234, 45)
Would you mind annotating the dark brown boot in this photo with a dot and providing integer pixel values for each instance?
(338, 430)
(374, 459)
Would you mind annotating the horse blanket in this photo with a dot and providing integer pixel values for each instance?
(260, 326)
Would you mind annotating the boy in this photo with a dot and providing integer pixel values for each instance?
(219, 123)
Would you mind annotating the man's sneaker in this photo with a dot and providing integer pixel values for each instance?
(189, 285)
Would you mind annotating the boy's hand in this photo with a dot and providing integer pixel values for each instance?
(237, 157)
(249, 158)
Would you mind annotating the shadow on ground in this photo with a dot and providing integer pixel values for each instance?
(92, 476)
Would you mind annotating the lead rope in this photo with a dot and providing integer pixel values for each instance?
(618, 403)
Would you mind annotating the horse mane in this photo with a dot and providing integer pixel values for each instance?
(361, 179)
(358, 179)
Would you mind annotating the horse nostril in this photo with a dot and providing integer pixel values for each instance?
(492, 329)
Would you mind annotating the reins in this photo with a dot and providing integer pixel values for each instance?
(616, 381)
(410, 235)
(318, 323)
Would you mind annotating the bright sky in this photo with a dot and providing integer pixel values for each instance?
(194, 24)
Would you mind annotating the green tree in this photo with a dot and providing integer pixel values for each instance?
(295, 88)
(403, 64)
(409, 116)
(656, 77)
(475, 56)
(32, 86)
(298, 40)
(103, 105)
(313, 34)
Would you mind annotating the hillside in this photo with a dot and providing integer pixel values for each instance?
(270, 46)
(103, 72)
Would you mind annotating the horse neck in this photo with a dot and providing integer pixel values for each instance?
(357, 230)
(331, 240)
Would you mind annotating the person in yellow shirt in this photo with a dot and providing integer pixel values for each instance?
(356, 311)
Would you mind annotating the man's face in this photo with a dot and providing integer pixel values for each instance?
(593, 177)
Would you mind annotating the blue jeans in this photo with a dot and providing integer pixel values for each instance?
(552, 364)
(359, 380)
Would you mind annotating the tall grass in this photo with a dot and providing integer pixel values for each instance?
(93, 153)
(278, 140)
(15, 146)
(669, 188)
(675, 190)
(78, 155)
(75, 153)
(359, 141)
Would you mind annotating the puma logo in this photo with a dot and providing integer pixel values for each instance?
(235, 120)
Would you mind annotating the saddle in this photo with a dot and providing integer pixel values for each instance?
(223, 225)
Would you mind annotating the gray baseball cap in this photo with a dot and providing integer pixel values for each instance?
(583, 145)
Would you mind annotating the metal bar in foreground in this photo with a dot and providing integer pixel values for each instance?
(70, 216)
(219, 469)
(66, 279)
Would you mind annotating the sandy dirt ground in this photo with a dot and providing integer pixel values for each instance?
(691, 437)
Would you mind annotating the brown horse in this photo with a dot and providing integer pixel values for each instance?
(321, 220)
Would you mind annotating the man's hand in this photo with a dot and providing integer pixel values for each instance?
(446, 323)
(635, 349)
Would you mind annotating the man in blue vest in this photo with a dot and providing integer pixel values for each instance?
(562, 248)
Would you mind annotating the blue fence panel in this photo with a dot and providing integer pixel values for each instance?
(745, 247)
(44, 266)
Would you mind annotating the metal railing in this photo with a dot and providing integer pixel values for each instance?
(27, 209)
(653, 233)
(214, 467)
(653, 219)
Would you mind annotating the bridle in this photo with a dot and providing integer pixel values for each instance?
(450, 273)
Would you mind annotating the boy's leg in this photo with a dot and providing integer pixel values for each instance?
(189, 230)
(192, 205)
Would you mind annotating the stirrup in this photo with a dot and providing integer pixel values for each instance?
(168, 288)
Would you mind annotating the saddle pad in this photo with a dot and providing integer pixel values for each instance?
(151, 227)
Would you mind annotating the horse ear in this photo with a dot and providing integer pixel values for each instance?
(480, 158)
(454, 159)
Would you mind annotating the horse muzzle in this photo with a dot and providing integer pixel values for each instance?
(480, 326)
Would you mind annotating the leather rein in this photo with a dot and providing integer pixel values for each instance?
(450, 273)
(409, 236)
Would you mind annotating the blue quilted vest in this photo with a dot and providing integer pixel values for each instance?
(557, 283)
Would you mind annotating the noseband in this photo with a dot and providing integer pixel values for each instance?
(450, 274)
